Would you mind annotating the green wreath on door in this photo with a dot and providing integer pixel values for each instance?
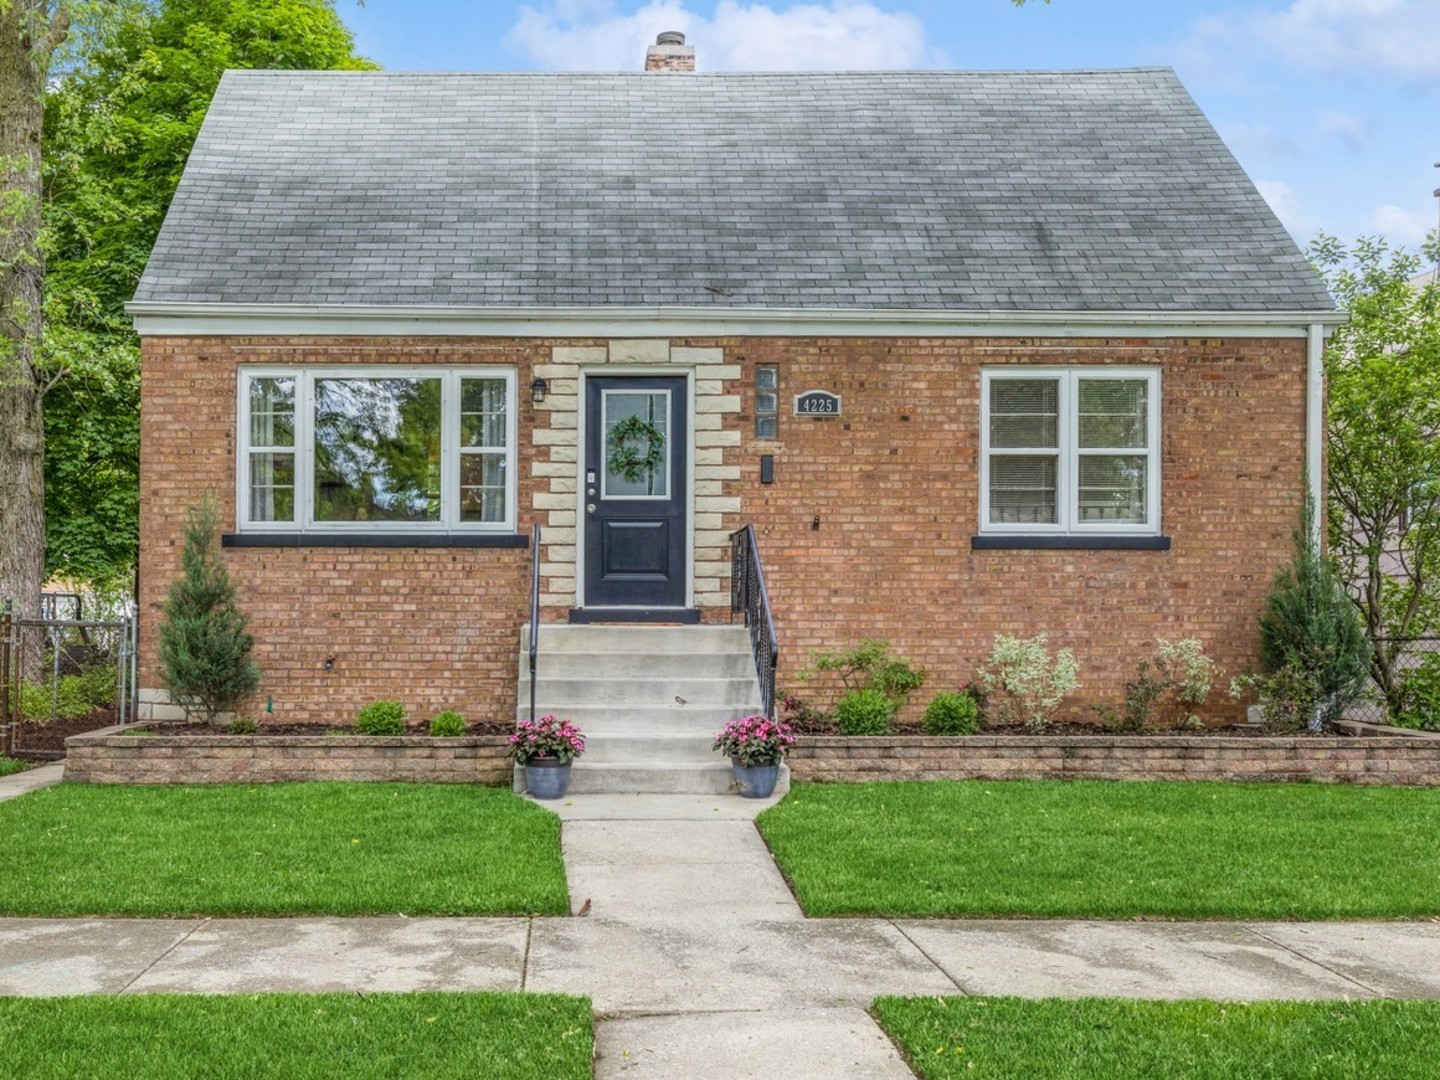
(623, 458)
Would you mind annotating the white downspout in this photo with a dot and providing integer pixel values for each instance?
(1315, 420)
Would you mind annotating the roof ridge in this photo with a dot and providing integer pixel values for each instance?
(925, 72)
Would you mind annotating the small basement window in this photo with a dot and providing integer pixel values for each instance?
(1070, 451)
(397, 448)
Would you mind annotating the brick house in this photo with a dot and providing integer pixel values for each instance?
(1067, 363)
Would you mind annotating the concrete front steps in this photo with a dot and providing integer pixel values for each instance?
(649, 699)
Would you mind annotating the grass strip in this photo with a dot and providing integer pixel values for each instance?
(279, 849)
(976, 1038)
(9, 766)
(428, 1036)
(1094, 849)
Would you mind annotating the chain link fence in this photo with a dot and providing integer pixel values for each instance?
(1414, 696)
(60, 675)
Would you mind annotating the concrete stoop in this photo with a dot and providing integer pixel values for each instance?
(650, 700)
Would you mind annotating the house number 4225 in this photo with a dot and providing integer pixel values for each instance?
(817, 403)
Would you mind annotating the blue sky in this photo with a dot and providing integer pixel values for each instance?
(1332, 106)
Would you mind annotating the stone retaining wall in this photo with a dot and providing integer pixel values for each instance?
(110, 757)
(1377, 760)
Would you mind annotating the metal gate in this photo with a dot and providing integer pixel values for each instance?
(57, 668)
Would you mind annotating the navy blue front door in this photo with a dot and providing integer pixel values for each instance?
(635, 519)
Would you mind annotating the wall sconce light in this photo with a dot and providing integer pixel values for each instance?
(537, 390)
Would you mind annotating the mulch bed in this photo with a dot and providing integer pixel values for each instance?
(479, 727)
(36, 741)
(825, 726)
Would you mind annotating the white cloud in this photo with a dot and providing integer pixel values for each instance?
(1401, 226)
(1379, 38)
(1258, 140)
(1286, 204)
(1355, 132)
(853, 35)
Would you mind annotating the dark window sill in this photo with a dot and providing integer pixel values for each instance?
(994, 542)
(375, 540)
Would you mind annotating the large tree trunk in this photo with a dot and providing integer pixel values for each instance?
(25, 46)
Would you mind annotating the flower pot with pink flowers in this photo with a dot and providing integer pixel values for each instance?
(755, 745)
(546, 747)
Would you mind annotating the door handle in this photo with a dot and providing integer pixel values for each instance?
(589, 508)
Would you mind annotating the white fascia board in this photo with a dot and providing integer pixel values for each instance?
(154, 319)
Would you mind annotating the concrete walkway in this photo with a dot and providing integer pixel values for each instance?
(699, 962)
(22, 783)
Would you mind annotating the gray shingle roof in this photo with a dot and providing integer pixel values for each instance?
(993, 191)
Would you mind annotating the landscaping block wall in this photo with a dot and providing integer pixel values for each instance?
(1370, 760)
(865, 532)
(112, 757)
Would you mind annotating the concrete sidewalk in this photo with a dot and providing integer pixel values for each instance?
(704, 997)
(699, 962)
(22, 783)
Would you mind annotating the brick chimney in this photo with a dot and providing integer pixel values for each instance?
(670, 53)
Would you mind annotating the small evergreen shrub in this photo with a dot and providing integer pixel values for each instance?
(447, 724)
(381, 718)
(952, 714)
(1310, 624)
(204, 650)
(864, 712)
(243, 725)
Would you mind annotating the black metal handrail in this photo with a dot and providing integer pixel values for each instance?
(534, 610)
(749, 595)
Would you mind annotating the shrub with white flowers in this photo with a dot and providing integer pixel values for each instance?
(1025, 683)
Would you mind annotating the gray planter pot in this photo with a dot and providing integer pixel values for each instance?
(547, 778)
(755, 781)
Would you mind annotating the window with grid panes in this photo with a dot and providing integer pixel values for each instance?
(1072, 450)
(403, 448)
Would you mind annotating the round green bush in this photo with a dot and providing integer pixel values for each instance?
(447, 724)
(952, 714)
(381, 718)
(864, 712)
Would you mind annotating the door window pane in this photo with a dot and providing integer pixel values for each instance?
(1024, 413)
(1113, 489)
(1023, 490)
(1113, 413)
(377, 449)
(653, 407)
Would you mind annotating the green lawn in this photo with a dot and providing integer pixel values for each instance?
(9, 766)
(298, 1037)
(279, 849)
(979, 1038)
(1091, 849)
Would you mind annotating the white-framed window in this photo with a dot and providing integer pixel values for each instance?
(1073, 450)
(399, 448)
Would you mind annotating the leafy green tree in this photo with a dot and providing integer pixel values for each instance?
(204, 649)
(120, 121)
(30, 32)
(1383, 370)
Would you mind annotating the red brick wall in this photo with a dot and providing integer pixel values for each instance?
(895, 484)
(437, 628)
(893, 481)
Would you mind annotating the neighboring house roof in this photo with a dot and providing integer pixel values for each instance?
(1419, 281)
(1086, 191)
